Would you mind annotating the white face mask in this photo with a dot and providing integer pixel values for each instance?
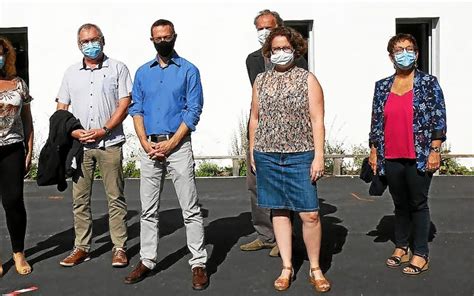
(282, 58)
(262, 35)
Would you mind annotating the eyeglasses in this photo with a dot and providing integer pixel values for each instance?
(400, 49)
(287, 49)
(160, 39)
(95, 39)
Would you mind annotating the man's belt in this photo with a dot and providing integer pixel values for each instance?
(160, 138)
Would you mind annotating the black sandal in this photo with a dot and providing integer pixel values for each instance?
(416, 270)
(397, 260)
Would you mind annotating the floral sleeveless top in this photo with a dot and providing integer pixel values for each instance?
(11, 102)
(284, 123)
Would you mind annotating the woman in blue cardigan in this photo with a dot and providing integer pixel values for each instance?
(407, 129)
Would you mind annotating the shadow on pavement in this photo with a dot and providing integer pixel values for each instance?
(63, 242)
(333, 238)
(222, 233)
(385, 230)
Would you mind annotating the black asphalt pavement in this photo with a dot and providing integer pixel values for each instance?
(357, 238)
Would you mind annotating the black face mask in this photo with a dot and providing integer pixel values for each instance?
(165, 48)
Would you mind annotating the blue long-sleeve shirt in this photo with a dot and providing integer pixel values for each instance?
(166, 97)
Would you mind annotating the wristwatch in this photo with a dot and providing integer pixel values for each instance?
(435, 149)
(107, 130)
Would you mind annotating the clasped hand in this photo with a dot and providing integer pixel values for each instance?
(158, 151)
(88, 136)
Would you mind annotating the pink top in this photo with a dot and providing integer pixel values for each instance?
(398, 116)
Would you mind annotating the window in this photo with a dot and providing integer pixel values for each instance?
(426, 33)
(19, 38)
(305, 27)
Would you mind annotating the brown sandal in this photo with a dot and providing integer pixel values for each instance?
(21, 265)
(412, 269)
(321, 285)
(396, 261)
(282, 283)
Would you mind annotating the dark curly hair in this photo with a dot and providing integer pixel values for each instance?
(399, 38)
(294, 37)
(9, 70)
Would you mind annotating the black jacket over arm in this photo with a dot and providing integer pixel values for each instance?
(256, 64)
(56, 157)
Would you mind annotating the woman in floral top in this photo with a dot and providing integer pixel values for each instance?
(408, 127)
(16, 143)
(286, 143)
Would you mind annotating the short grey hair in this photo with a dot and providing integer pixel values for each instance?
(89, 26)
(275, 14)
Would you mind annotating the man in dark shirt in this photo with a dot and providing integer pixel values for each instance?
(264, 22)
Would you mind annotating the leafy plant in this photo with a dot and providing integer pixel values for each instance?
(207, 169)
(332, 148)
(450, 166)
(130, 170)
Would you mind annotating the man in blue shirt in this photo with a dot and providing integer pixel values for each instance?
(166, 105)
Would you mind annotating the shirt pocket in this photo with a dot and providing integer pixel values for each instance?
(110, 86)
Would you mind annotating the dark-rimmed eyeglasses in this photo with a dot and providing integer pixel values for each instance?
(285, 49)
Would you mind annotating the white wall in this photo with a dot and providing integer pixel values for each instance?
(350, 55)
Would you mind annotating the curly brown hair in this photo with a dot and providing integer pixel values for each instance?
(399, 38)
(294, 37)
(9, 70)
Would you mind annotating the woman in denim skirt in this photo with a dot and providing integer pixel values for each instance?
(286, 145)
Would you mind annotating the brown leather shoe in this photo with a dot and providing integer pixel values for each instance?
(138, 274)
(200, 279)
(119, 257)
(75, 257)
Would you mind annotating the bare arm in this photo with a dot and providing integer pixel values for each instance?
(62, 106)
(120, 113)
(316, 112)
(28, 131)
(253, 123)
(117, 117)
(149, 147)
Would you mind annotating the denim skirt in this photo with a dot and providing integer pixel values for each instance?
(284, 181)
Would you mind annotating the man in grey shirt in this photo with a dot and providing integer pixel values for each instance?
(98, 90)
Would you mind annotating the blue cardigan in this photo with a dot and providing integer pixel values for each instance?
(429, 117)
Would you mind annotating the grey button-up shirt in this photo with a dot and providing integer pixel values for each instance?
(94, 95)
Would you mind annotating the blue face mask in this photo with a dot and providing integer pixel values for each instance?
(91, 49)
(405, 60)
(2, 61)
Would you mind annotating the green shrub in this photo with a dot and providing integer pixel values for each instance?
(130, 170)
(332, 148)
(450, 166)
(33, 173)
(207, 169)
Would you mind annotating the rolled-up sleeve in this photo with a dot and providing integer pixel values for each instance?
(136, 107)
(438, 113)
(194, 99)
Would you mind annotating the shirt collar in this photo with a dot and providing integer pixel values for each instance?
(175, 59)
(103, 63)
